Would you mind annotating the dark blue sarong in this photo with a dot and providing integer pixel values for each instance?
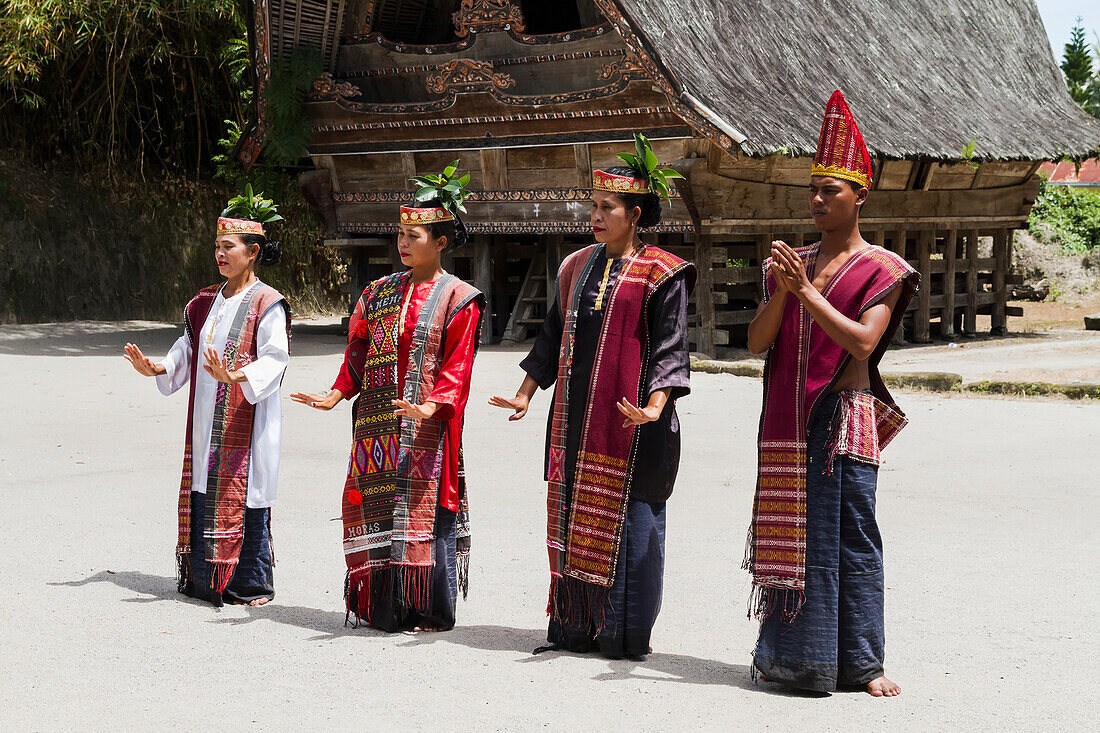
(254, 576)
(839, 637)
(634, 600)
(389, 614)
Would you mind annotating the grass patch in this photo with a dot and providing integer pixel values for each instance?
(1035, 389)
(1067, 216)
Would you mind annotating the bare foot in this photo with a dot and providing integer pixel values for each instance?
(883, 687)
(428, 628)
(259, 602)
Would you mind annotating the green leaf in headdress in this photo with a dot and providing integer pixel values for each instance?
(450, 191)
(646, 165)
(252, 206)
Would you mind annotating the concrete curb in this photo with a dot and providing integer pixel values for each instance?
(746, 368)
(931, 381)
(934, 381)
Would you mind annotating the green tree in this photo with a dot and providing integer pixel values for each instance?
(1077, 63)
(121, 82)
(1077, 67)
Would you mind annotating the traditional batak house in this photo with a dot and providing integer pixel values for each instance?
(959, 102)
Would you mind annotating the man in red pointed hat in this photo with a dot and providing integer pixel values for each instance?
(814, 550)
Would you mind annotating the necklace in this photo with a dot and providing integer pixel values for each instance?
(221, 310)
(408, 297)
(607, 278)
(603, 285)
(214, 325)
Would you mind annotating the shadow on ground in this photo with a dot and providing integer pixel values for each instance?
(656, 667)
(154, 339)
(87, 339)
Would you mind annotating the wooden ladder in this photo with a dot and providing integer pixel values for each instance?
(523, 323)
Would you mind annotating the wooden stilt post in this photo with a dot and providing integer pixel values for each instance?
(553, 262)
(947, 315)
(970, 318)
(923, 317)
(483, 281)
(899, 248)
(998, 322)
(704, 295)
(502, 308)
(763, 251)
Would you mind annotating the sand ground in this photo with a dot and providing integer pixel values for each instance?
(988, 508)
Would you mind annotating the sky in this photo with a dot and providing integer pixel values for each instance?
(1059, 16)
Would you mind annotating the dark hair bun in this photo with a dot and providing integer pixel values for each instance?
(462, 236)
(650, 205)
(454, 230)
(270, 252)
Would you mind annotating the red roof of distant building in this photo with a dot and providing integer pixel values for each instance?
(1067, 173)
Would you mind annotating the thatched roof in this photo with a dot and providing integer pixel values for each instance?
(923, 78)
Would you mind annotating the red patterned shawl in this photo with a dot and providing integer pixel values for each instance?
(583, 536)
(396, 463)
(230, 438)
(801, 366)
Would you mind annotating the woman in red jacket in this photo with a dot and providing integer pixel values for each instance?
(411, 345)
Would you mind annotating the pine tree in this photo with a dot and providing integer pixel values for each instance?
(1077, 65)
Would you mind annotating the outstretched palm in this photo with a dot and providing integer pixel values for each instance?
(518, 404)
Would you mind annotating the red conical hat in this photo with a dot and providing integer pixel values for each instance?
(841, 152)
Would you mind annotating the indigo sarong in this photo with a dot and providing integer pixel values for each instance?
(390, 615)
(254, 575)
(634, 600)
(839, 637)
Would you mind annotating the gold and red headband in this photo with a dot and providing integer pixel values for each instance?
(413, 215)
(604, 181)
(239, 226)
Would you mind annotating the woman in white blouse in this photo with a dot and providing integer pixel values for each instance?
(231, 454)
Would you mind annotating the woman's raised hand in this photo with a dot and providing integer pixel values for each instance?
(518, 404)
(416, 412)
(141, 363)
(637, 415)
(217, 366)
(319, 401)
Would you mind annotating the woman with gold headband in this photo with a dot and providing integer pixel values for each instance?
(238, 332)
(411, 346)
(614, 347)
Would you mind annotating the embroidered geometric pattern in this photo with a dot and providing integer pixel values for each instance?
(429, 215)
(802, 363)
(239, 226)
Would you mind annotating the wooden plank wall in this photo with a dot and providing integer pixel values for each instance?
(964, 274)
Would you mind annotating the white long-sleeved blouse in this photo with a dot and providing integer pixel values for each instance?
(261, 389)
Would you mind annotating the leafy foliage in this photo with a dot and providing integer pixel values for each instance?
(968, 152)
(645, 163)
(117, 82)
(288, 131)
(450, 191)
(1067, 215)
(249, 205)
(1083, 84)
